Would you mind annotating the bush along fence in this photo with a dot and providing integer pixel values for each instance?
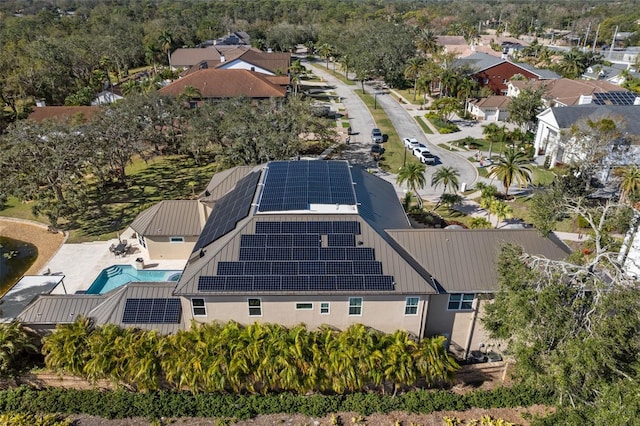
(157, 404)
(259, 358)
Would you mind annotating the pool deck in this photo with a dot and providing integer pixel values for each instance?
(81, 263)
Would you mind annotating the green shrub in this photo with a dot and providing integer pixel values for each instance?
(153, 405)
(581, 222)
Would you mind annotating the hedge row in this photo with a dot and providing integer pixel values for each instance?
(123, 404)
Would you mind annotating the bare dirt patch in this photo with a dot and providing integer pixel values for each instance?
(46, 242)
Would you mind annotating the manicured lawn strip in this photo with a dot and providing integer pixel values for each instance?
(424, 126)
(394, 154)
(449, 215)
(337, 74)
(482, 145)
(16, 208)
(168, 404)
(542, 176)
(407, 94)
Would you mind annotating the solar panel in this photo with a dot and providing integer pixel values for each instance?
(614, 98)
(278, 253)
(324, 228)
(253, 240)
(378, 283)
(228, 211)
(279, 240)
(339, 268)
(211, 283)
(294, 227)
(311, 268)
(306, 240)
(268, 227)
(230, 268)
(341, 240)
(252, 253)
(239, 284)
(294, 185)
(332, 253)
(152, 311)
(266, 283)
(359, 253)
(305, 253)
(347, 227)
(284, 268)
(367, 268)
(257, 268)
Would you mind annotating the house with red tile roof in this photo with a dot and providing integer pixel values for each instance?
(220, 84)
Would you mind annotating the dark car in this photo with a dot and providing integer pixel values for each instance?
(376, 151)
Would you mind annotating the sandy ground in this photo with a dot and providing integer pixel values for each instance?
(46, 242)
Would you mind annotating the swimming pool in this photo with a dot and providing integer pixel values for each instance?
(118, 275)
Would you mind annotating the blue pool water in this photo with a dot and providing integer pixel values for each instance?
(118, 275)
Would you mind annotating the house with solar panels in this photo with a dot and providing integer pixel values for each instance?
(314, 242)
(555, 123)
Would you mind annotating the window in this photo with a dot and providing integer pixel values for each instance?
(142, 241)
(176, 239)
(486, 81)
(411, 306)
(255, 307)
(304, 306)
(355, 306)
(461, 301)
(324, 308)
(198, 308)
(504, 81)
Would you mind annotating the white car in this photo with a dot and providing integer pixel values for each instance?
(410, 143)
(427, 158)
(418, 152)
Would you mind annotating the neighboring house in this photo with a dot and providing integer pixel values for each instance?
(219, 84)
(190, 57)
(614, 73)
(567, 92)
(170, 229)
(495, 73)
(554, 124)
(78, 114)
(236, 38)
(315, 242)
(266, 63)
(493, 108)
(507, 46)
(106, 97)
(455, 44)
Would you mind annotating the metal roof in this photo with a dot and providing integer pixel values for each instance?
(171, 217)
(223, 182)
(58, 309)
(112, 309)
(465, 260)
(24, 292)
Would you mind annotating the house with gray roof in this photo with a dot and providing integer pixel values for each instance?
(313, 242)
(552, 136)
(495, 72)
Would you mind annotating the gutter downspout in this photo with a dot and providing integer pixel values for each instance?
(423, 320)
(476, 308)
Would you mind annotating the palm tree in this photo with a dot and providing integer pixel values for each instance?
(189, 93)
(67, 349)
(346, 62)
(479, 223)
(573, 64)
(501, 210)
(325, 52)
(412, 71)
(398, 363)
(493, 133)
(166, 40)
(514, 166)
(413, 175)
(427, 42)
(14, 344)
(629, 181)
(447, 177)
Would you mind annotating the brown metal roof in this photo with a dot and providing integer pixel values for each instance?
(58, 309)
(464, 260)
(409, 278)
(223, 182)
(112, 309)
(64, 113)
(216, 83)
(170, 217)
(499, 102)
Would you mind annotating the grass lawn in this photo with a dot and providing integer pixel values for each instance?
(394, 154)
(337, 74)
(481, 144)
(542, 176)
(424, 126)
(112, 207)
(449, 215)
(408, 95)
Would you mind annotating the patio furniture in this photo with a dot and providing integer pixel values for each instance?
(121, 248)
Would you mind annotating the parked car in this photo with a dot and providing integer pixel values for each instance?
(420, 150)
(376, 151)
(427, 158)
(408, 142)
(376, 136)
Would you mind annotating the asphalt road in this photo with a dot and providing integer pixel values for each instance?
(358, 151)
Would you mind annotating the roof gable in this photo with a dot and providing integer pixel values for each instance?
(170, 217)
(217, 83)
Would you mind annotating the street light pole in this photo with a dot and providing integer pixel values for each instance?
(404, 161)
(375, 100)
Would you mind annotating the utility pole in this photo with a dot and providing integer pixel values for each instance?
(613, 42)
(595, 40)
(584, 49)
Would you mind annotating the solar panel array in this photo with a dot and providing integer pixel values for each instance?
(152, 311)
(294, 185)
(229, 210)
(614, 98)
(300, 256)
